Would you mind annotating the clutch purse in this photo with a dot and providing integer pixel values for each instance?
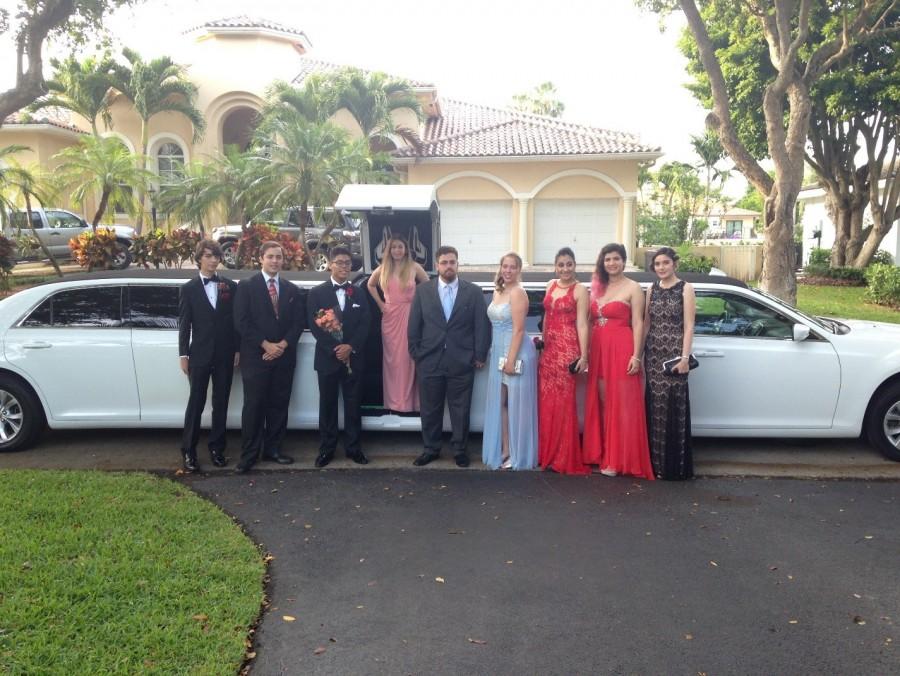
(670, 364)
(517, 367)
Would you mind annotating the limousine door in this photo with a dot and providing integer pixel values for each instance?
(76, 350)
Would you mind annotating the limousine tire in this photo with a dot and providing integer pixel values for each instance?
(883, 422)
(21, 417)
(230, 254)
(121, 256)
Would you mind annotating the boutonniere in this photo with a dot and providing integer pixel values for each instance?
(224, 291)
(348, 292)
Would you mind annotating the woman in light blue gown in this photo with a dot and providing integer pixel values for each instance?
(510, 418)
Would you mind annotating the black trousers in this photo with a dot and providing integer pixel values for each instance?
(267, 396)
(350, 386)
(436, 388)
(199, 377)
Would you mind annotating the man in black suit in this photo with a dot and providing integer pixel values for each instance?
(449, 336)
(339, 359)
(270, 315)
(207, 345)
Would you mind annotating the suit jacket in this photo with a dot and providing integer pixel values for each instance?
(255, 320)
(355, 320)
(206, 334)
(459, 342)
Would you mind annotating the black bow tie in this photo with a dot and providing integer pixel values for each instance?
(344, 286)
(207, 280)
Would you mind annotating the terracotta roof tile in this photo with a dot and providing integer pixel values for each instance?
(471, 130)
(244, 21)
(309, 66)
(54, 117)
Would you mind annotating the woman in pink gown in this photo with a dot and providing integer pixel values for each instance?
(615, 421)
(397, 277)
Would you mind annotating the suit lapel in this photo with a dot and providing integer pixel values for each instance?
(440, 302)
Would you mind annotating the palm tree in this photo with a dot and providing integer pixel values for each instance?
(371, 98)
(542, 100)
(104, 166)
(27, 183)
(83, 87)
(239, 192)
(154, 87)
(194, 195)
(709, 148)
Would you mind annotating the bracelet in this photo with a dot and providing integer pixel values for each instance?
(637, 359)
(684, 356)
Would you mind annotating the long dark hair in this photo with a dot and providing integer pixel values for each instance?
(600, 270)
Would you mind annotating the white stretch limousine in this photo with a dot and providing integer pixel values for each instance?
(100, 351)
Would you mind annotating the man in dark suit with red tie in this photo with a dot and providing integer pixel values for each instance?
(270, 315)
(208, 349)
(339, 357)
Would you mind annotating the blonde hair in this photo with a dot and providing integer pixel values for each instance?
(498, 281)
(404, 269)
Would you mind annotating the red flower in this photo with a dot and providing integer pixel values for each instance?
(348, 292)
(224, 292)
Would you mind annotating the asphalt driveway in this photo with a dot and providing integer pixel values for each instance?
(460, 572)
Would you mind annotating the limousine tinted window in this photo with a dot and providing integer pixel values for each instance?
(153, 307)
(535, 316)
(93, 306)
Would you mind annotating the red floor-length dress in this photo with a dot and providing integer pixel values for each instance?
(615, 428)
(559, 447)
(399, 370)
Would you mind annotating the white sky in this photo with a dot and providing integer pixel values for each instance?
(612, 66)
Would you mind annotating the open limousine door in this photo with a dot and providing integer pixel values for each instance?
(410, 211)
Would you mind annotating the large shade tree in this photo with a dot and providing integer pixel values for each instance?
(31, 23)
(799, 58)
(153, 87)
(83, 87)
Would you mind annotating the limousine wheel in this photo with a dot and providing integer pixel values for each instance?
(320, 261)
(883, 423)
(21, 418)
(121, 257)
(230, 254)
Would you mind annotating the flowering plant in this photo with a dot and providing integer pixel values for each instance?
(224, 291)
(328, 322)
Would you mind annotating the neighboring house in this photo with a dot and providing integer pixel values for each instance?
(730, 223)
(506, 180)
(818, 228)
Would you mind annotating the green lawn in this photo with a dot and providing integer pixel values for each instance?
(121, 574)
(848, 302)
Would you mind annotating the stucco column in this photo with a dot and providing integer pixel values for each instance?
(522, 244)
(628, 225)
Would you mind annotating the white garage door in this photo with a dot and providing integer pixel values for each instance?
(479, 230)
(582, 225)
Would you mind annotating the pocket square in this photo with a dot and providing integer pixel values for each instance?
(355, 305)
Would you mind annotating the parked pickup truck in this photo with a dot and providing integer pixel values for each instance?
(288, 220)
(55, 227)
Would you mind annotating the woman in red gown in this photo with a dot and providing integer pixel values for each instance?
(615, 421)
(565, 343)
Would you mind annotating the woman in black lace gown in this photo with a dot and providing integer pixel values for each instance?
(668, 330)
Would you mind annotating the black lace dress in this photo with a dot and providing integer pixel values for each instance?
(668, 402)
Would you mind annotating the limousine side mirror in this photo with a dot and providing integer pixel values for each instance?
(801, 332)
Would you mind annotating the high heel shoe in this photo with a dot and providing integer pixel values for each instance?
(506, 464)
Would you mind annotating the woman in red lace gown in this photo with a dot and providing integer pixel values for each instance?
(615, 421)
(565, 342)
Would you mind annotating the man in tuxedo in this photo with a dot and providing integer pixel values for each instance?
(270, 315)
(449, 337)
(207, 345)
(339, 359)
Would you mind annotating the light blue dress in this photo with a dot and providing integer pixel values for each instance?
(522, 397)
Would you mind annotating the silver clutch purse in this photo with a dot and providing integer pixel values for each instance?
(517, 367)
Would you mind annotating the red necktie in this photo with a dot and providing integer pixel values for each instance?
(273, 295)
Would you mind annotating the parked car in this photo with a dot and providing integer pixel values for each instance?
(288, 221)
(766, 369)
(57, 227)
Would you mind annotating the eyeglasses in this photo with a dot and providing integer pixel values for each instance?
(342, 263)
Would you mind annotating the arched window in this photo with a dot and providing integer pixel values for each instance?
(170, 163)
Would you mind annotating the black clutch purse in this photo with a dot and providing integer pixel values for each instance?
(670, 364)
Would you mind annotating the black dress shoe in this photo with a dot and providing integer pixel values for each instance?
(218, 458)
(462, 459)
(425, 458)
(280, 458)
(243, 467)
(359, 458)
(324, 458)
(190, 463)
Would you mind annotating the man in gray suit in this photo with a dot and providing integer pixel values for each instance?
(449, 337)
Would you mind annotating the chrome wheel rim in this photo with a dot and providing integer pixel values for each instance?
(229, 255)
(321, 262)
(11, 417)
(120, 257)
(891, 425)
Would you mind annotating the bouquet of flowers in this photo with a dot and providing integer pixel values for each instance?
(328, 322)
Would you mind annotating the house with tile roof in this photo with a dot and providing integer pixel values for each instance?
(505, 180)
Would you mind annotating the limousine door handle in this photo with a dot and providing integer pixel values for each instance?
(708, 353)
(36, 345)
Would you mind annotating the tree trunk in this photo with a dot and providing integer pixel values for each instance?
(142, 164)
(779, 262)
(880, 228)
(39, 240)
(101, 209)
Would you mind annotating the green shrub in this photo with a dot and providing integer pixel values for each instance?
(295, 255)
(95, 249)
(27, 245)
(881, 257)
(691, 262)
(822, 274)
(7, 260)
(819, 257)
(884, 284)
